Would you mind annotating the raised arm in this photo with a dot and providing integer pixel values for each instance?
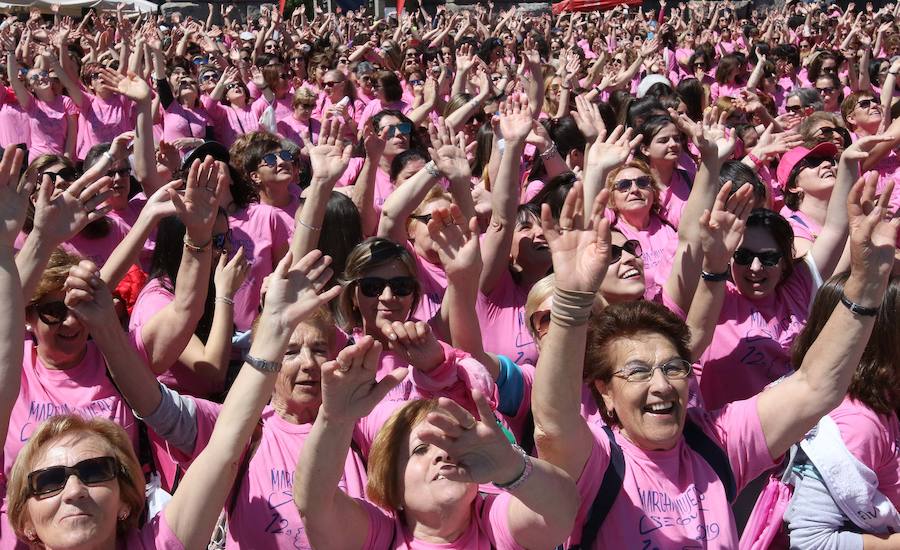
(23, 96)
(581, 255)
(789, 409)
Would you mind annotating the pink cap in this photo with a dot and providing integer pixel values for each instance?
(795, 155)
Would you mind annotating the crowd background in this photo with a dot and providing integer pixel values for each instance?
(325, 280)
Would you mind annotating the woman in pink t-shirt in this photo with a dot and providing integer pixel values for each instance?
(682, 465)
(104, 113)
(228, 106)
(302, 121)
(418, 497)
(661, 148)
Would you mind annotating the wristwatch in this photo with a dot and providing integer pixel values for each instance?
(263, 365)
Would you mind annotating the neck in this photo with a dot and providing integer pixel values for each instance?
(272, 195)
(864, 131)
(59, 364)
(638, 219)
(384, 163)
(239, 102)
(46, 96)
(662, 170)
(108, 544)
(816, 208)
(294, 414)
(442, 525)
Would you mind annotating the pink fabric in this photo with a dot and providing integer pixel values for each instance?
(283, 108)
(99, 250)
(323, 105)
(375, 106)
(433, 282)
(229, 122)
(260, 230)
(673, 498)
(673, 197)
(659, 242)
(48, 125)
(752, 342)
(156, 535)
(182, 122)
(724, 90)
(351, 173)
(502, 317)
(804, 227)
(100, 120)
(292, 129)
(15, 122)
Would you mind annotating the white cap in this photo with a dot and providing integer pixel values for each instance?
(649, 81)
(247, 35)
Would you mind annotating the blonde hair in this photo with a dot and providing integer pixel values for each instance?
(384, 484)
(55, 274)
(303, 95)
(639, 165)
(130, 476)
(541, 290)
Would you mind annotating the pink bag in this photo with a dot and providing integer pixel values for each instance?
(765, 527)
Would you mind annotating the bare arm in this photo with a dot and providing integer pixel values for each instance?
(401, 203)
(23, 96)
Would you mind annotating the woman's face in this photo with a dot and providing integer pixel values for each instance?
(120, 172)
(424, 487)
(665, 145)
(281, 173)
(624, 279)
(636, 196)
(188, 90)
(334, 85)
(382, 310)
(417, 230)
(530, 250)
(299, 384)
(61, 338)
(208, 81)
(303, 110)
(756, 280)
(824, 131)
(397, 143)
(818, 179)
(554, 89)
(651, 413)
(39, 80)
(829, 94)
(80, 515)
(866, 114)
(234, 94)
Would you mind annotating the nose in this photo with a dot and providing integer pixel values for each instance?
(658, 380)
(756, 265)
(306, 360)
(74, 489)
(386, 294)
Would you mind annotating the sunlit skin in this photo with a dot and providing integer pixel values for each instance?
(757, 281)
(378, 313)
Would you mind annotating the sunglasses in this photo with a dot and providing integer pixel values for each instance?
(769, 258)
(286, 76)
(94, 76)
(66, 174)
(200, 60)
(39, 76)
(631, 246)
(330, 84)
(643, 182)
(404, 128)
(416, 82)
(232, 86)
(296, 60)
(424, 218)
(219, 240)
(92, 471)
(826, 90)
(372, 287)
(209, 76)
(794, 109)
(52, 313)
(863, 103)
(121, 172)
(271, 160)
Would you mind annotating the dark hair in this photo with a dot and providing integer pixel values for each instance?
(484, 139)
(619, 100)
(659, 91)
(414, 140)
(649, 129)
(390, 83)
(789, 53)
(876, 381)
(625, 320)
(781, 231)
(740, 174)
(404, 158)
(691, 92)
(727, 65)
(341, 231)
(641, 110)
(814, 70)
(555, 192)
(260, 144)
(566, 135)
(792, 196)
(874, 67)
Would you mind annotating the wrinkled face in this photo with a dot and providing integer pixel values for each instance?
(396, 144)
(303, 110)
(379, 311)
(665, 145)
(756, 281)
(818, 179)
(530, 250)
(633, 199)
(624, 279)
(60, 336)
(208, 81)
(424, 488)
(651, 413)
(80, 515)
(188, 89)
(300, 381)
(866, 114)
(417, 230)
(38, 79)
(793, 105)
(270, 47)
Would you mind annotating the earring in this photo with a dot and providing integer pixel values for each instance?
(30, 534)
(123, 516)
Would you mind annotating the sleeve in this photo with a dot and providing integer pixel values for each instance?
(381, 528)
(166, 97)
(815, 522)
(456, 378)
(494, 518)
(175, 420)
(69, 106)
(214, 109)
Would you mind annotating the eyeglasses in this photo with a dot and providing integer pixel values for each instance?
(209, 76)
(404, 128)
(794, 109)
(411, 54)
(39, 76)
(768, 258)
(52, 313)
(232, 86)
(676, 369)
(631, 246)
(867, 103)
(271, 160)
(825, 133)
(123, 172)
(496, 78)
(331, 83)
(343, 61)
(200, 61)
(372, 287)
(826, 90)
(92, 471)
(416, 82)
(366, 79)
(308, 106)
(65, 174)
(643, 182)
(286, 76)
(219, 240)
(296, 60)
(95, 76)
(424, 218)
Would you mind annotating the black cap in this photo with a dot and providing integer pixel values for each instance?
(212, 148)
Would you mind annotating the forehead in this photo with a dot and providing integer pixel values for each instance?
(394, 268)
(668, 130)
(310, 333)
(388, 120)
(651, 348)
(70, 449)
(759, 239)
(631, 172)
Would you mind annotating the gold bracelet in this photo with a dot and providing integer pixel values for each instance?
(194, 248)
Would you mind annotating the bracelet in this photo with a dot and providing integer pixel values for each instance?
(109, 156)
(859, 309)
(308, 226)
(755, 160)
(262, 365)
(714, 277)
(193, 247)
(550, 151)
(225, 300)
(432, 169)
(571, 308)
(521, 478)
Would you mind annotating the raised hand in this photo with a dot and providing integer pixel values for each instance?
(14, 194)
(331, 155)
(449, 152)
(861, 148)
(131, 86)
(477, 451)
(611, 151)
(515, 119)
(295, 293)
(873, 232)
(587, 118)
(722, 229)
(60, 214)
(349, 389)
(198, 209)
(715, 141)
(88, 297)
(580, 250)
(121, 144)
(456, 243)
(414, 342)
(230, 274)
(465, 58)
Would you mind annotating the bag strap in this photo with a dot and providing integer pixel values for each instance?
(713, 454)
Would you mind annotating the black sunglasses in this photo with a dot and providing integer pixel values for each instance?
(219, 240)
(631, 246)
(271, 160)
(404, 128)
(52, 313)
(794, 109)
(769, 258)
(867, 103)
(826, 90)
(66, 174)
(122, 172)
(372, 287)
(424, 218)
(643, 182)
(91, 471)
(232, 86)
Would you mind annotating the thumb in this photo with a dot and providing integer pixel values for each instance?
(389, 382)
(485, 412)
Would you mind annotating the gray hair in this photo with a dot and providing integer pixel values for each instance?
(809, 97)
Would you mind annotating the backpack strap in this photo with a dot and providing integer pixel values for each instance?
(713, 454)
(609, 490)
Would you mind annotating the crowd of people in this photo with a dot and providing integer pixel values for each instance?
(324, 280)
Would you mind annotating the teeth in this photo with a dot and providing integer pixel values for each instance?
(656, 407)
(631, 273)
(441, 477)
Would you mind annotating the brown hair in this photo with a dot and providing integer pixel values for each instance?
(849, 104)
(876, 381)
(384, 486)
(618, 321)
(55, 274)
(56, 428)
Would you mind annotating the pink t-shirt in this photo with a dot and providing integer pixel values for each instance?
(229, 122)
(101, 120)
(433, 282)
(673, 197)
(283, 108)
(99, 250)
(156, 535)
(673, 498)
(182, 122)
(804, 227)
(376, 106)
(48, 124)
(15, 122)
(152, 299)
(659, 242)
(873, 439)
(260, 230)
(354, 167)
(293, 129)
(503, 326)
(751, 346)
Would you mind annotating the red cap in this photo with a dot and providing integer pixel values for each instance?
(795, 155)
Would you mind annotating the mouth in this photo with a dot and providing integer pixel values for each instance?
(631, 274)
(541, 246)
(661, 408)
(307, 383)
